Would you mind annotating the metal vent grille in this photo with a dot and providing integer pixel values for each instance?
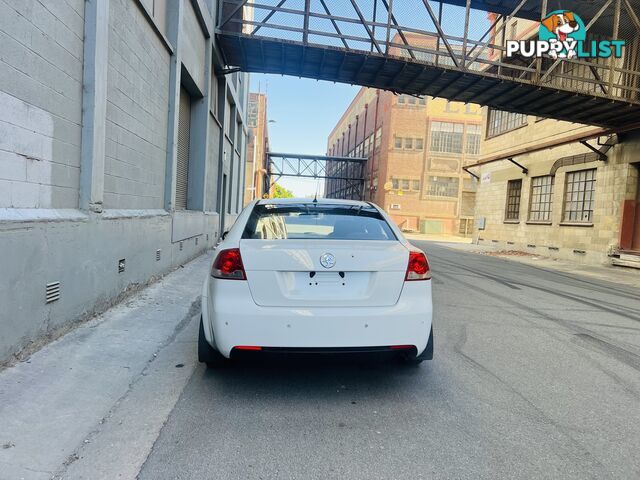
(158, 254)
(196, 241)
(180, 246)
(121, 264)
(182, 167)
(52, 292)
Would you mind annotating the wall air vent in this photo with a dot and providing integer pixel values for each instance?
(395, 206)
(121, 264)
(196, 241)
(52, 292)
(180, 246)
(158, 255)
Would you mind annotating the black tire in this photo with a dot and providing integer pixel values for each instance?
(427, 354)
(207, 354)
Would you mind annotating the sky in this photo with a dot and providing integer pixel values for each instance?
(302, 113)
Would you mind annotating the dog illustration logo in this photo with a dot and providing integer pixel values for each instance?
(565, 27)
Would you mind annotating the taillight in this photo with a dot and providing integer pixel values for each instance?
(418, 268)
(228, 265)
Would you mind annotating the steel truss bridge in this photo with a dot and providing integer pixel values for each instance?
(454, 49)
(344, 176)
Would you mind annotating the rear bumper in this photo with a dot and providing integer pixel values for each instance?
(351, 353)
(232, 319)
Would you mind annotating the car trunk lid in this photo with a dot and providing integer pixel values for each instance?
(290, 272)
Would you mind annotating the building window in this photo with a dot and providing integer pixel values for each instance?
(411, 100)
(579, 196)
(501, 122)
(405, 184)
(419, 144)
(472, 145)
(514, 192)
(401, 99)
(378, 137)
(443, 187)
(446, 137)
(422, 101)
(408, 143)
(541, 199)
(398, 142)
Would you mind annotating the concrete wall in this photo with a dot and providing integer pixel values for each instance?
(81, 191)
(593, 243)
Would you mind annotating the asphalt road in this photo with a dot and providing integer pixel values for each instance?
(536, 375)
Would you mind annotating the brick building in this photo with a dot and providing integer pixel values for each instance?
(121, 152)
(257, 147)
(416, 149)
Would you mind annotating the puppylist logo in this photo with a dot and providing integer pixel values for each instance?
(563, 34)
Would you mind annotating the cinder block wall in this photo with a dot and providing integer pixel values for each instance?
(137, 100)
(616, 181)
(47, 234)
(41, 45)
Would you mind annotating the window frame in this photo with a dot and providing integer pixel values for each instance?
(581, 196)
(440, 187)
(544, 205)
(408, 143)
(472, 130)
(444, 139)
(515, 207)
(497, 127)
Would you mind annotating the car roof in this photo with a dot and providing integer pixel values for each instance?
(322, 201)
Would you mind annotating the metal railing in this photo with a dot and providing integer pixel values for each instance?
(441, 34)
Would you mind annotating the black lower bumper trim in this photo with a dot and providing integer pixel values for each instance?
(329, 351)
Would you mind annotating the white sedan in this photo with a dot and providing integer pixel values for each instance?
(301, 276)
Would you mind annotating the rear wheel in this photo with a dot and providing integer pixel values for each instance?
(427, 354)
(207, 354)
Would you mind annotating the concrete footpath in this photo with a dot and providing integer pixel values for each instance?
(92, 403)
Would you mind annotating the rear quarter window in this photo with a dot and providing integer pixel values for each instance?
(317, 221)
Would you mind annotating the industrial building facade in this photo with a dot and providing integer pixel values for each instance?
(561, 198)
(557, 189)
(122, 147)
(257, 147)
(416, 150)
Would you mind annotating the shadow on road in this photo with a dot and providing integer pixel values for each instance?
(312, 378)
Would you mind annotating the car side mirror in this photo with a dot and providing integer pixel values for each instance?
(224, 234)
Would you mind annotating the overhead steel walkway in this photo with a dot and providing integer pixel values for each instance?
(343, 176)
(453, 49)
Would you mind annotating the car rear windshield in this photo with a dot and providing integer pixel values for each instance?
(317, 221)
